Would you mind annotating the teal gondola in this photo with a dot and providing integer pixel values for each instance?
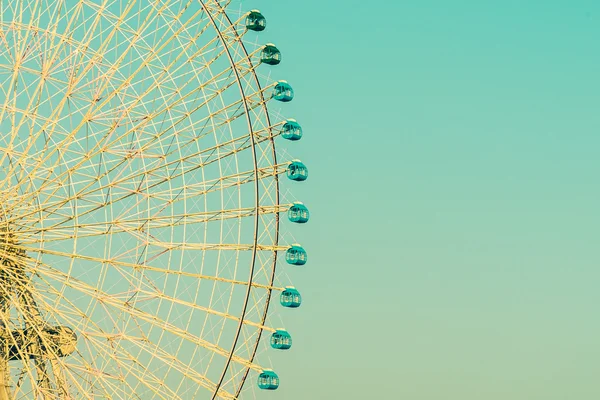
(291, 130)
(298, 213)
(297, 171)
(283, 92)
(296, 255)
(255, 21)
(268, 380)
(270, 55)
(281, 339)
(290, 297)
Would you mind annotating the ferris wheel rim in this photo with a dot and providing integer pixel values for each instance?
(257, 196)
(277, 200)
(259, 308)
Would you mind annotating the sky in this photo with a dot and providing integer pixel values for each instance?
(453, 157)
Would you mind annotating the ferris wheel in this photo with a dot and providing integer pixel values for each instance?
(140, 201)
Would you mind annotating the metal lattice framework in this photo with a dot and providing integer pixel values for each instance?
(139, 194)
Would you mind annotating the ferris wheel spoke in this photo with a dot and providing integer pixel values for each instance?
(65, 278)
(128, 361)
(68, 371)
(237, 145)
(145, 63)
(61, 380)
(68, 172)
(142, 227)
(193, 306)
(176, 364)
(141, 343)
(151, 293)
(217, 93)
(86, 68)
(108, 384)
(138, 226)
(43, 270)
(154, 320)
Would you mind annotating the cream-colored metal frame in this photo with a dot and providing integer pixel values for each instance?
(70, 105)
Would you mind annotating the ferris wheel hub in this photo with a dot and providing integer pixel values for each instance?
(56, 341)
(11, 253)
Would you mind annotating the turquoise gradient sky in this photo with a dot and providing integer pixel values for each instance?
(453, 149)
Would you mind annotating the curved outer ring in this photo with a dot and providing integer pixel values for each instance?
(257, 198)
(246, 57)
(276, 177)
